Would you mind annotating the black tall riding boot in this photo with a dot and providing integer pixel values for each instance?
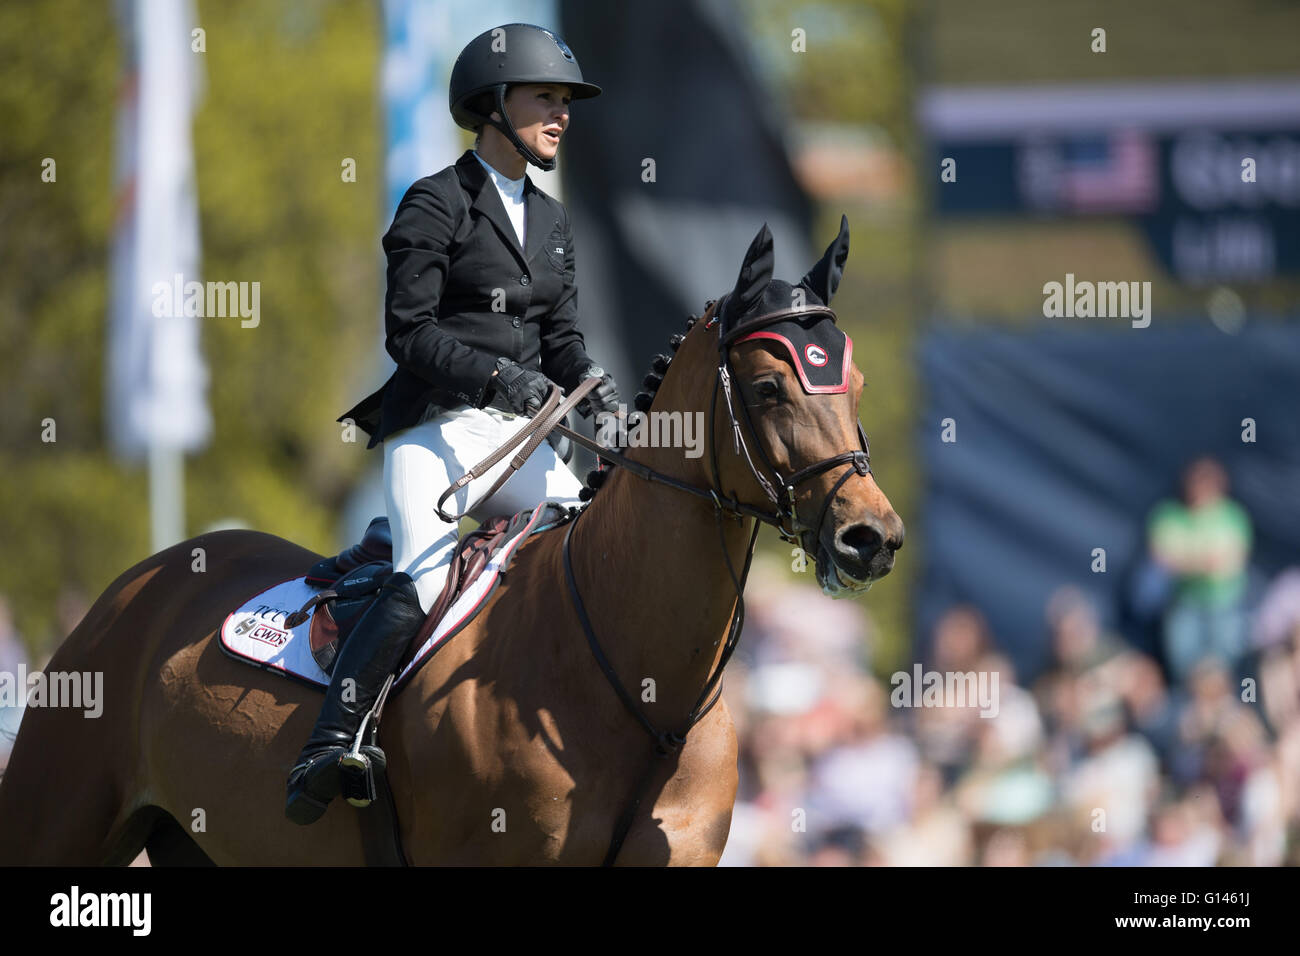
(368, 657)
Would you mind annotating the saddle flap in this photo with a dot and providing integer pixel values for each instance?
(332, 621)
(324, 637)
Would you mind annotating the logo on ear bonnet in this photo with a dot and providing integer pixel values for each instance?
(820, 351)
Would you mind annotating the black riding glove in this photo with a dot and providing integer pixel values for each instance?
(602, 398)
(525, 389)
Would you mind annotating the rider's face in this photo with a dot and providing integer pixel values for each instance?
(540, 114)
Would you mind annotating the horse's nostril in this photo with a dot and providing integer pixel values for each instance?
(861, 541)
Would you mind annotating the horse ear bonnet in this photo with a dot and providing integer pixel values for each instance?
(796, 317)
(824, 278)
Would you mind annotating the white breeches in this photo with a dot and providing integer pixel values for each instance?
(421, 461)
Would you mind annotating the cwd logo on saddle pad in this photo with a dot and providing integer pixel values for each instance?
(262, 632)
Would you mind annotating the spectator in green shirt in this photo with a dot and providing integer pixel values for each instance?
(1203, 543)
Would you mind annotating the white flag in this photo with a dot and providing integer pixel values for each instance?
(157, 380)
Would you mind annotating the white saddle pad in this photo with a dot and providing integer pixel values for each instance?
(255, 632)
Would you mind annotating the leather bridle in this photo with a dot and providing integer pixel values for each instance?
(783, 516)
(784, 501)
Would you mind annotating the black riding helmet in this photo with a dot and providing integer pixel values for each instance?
(505, 56)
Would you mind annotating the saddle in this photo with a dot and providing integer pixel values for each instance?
(352, 578)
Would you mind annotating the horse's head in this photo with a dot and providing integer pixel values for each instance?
(786, 437)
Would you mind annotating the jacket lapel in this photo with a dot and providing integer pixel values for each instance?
(487, 201)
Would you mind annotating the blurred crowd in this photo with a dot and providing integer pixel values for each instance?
(1184, 754)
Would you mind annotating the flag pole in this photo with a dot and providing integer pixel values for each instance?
(166, 495)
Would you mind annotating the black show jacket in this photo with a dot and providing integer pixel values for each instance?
(461, 293)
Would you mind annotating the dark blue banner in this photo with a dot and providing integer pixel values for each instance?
(1065, 440)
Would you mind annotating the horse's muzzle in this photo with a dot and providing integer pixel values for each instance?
(859, 555)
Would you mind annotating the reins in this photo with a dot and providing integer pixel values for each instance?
(530, 436)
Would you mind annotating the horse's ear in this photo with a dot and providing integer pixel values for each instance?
(755, 273)
(824, 278)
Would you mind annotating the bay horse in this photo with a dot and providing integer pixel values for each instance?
(509, 746)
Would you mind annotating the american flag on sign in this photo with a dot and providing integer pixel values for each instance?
(1116, 172)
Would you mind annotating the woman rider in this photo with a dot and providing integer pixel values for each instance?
(481, 318)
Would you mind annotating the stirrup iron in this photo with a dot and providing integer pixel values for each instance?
(357, 767)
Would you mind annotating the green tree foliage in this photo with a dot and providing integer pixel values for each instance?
(289, 92)
(853, 68)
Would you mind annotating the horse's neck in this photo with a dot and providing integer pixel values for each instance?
(651, 570)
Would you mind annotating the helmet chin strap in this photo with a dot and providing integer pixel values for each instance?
(508, 130)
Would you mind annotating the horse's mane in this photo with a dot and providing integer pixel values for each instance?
(653, 379)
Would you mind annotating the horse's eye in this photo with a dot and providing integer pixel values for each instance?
(767, 389)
